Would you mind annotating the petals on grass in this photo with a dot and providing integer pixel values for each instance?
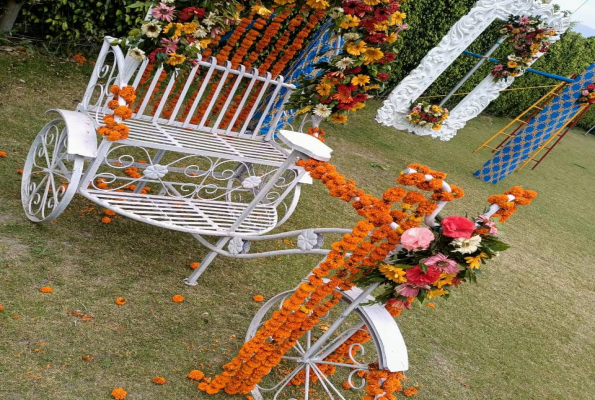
(410, 392)
(20, 171)
(106, 220)
(121, 301)
(3, 154)
(119, 394)
(258, 298)
(195, 375)
(46, 289)
(178, 298)
(87, 358)
(109, 212)
(194, 265)
(1, 307)
(159, 380)
(431, 305)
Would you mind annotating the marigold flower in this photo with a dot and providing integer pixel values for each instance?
(20, 171)
(3, 154)
(106, 220)
(1, 307)
(194, 265)
(258, 298)
(195, 375)
(121, 301)
(109, 212)
(177, 298)
(159, 380)
(119, 394)
(46, 289)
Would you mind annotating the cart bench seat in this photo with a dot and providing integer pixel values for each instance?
(209, 217)
(155, 134)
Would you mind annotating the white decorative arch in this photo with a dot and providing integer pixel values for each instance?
(458, 39)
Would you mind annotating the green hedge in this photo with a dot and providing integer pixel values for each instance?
(76, 20)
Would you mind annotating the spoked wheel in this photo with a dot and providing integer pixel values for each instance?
(51, 176)
(316, 367)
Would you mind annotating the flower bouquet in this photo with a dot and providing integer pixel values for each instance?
(528, 36)
(428, 115)
(178, 30)
(587, 95)
(430, 262)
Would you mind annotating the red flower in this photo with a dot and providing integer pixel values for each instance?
(390, 56)
(377, 37)
(416, 276)
(457, 227)
(355, 70)
(191, 12)
(382, 14)
(591, 86)
(382, 77)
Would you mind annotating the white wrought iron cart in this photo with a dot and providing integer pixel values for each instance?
(197, 166)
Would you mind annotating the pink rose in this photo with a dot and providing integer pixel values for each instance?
(417, 238)
(585, 93)
(457, 227)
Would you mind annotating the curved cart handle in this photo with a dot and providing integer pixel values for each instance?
(306, 145)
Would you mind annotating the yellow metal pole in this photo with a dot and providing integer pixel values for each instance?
(517, 119)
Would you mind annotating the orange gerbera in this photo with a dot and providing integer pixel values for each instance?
(121, 301)
(119, 394)
(178, 298)
(258, 298)
(159, 380)
(46, 289)
(339, 118)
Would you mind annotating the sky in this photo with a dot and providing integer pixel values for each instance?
(586, 15)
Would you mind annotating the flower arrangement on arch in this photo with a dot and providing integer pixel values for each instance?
(528, 36)
(433, 261)
(179, 30)
(587, 95)
(428, 115)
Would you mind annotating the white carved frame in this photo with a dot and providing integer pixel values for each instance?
(458, 39)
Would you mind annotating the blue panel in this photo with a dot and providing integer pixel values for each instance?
(545, 124)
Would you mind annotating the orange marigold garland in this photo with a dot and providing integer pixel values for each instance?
(114, 129)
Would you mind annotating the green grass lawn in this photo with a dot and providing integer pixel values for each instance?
(524, 332)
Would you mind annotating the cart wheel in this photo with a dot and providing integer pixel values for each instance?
(299, 377)
(51, 176)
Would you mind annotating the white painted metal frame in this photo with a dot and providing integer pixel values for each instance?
(387, 339)
(206, 178)
(458, 39)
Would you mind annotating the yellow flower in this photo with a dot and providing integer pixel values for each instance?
(323, 89)
(350, 21)
(304, 110)
(176, 59)
(190, 28)
(360, 80)
(371, 2)
(475, 262)
(381, 26)
(357, 106)
(371, 87)
(393, 273)
(318, 4)
(305, 309)
(356, 49)
(392, 37)
(445, 279)
(177, 26)
(260, 10)
(437, 127)
(339, 118)
(512, 64)
(372, 55)
(397, 18)
(436, 293)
